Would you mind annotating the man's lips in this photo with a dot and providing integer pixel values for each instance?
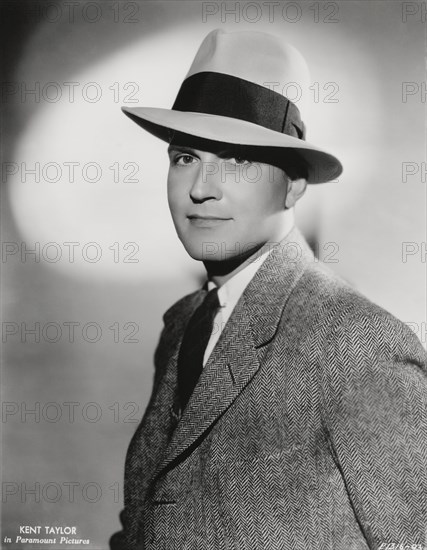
(199, 217)
(206, 221)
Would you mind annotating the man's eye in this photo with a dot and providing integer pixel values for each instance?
(183, 160)
(239, 160)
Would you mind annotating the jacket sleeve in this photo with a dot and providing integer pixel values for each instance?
(126, 538)
(118, 540)
(141, 459)
(374, 384)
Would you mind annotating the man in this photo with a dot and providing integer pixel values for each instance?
(287, 412)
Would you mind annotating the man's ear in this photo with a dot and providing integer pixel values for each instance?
(296, 189)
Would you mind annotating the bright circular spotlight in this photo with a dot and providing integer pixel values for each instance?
(89, 192)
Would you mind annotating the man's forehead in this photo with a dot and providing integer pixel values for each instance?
(221, 150)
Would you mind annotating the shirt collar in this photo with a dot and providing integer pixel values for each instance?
(231, 290)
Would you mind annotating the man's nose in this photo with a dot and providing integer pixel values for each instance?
(207, 182)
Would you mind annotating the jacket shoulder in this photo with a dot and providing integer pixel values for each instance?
(344, 313)
(182, 308)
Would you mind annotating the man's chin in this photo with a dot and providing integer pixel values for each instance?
(209, 252)
(205, 250)
(217, 251)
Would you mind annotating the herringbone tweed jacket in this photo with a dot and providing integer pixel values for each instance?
(307, 429)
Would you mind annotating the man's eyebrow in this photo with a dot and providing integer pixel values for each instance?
(228, 153)
(174, 147)
(223, 153)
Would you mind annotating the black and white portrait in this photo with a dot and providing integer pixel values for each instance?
(214, 275)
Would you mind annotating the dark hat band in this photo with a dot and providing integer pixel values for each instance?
(226, 95)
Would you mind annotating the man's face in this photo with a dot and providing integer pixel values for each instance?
(224, 207)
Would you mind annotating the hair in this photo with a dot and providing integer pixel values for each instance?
(288, 160)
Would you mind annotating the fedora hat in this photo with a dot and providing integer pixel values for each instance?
(227, 96)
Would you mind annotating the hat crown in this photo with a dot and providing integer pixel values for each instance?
(257, 57)
(237, 92)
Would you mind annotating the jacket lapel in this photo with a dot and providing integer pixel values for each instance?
(235, 358)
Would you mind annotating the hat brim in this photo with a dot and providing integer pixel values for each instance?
(321, 166)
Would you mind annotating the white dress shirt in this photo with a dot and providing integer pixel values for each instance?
(228, 296)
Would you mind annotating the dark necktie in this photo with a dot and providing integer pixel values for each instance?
(193, 346)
